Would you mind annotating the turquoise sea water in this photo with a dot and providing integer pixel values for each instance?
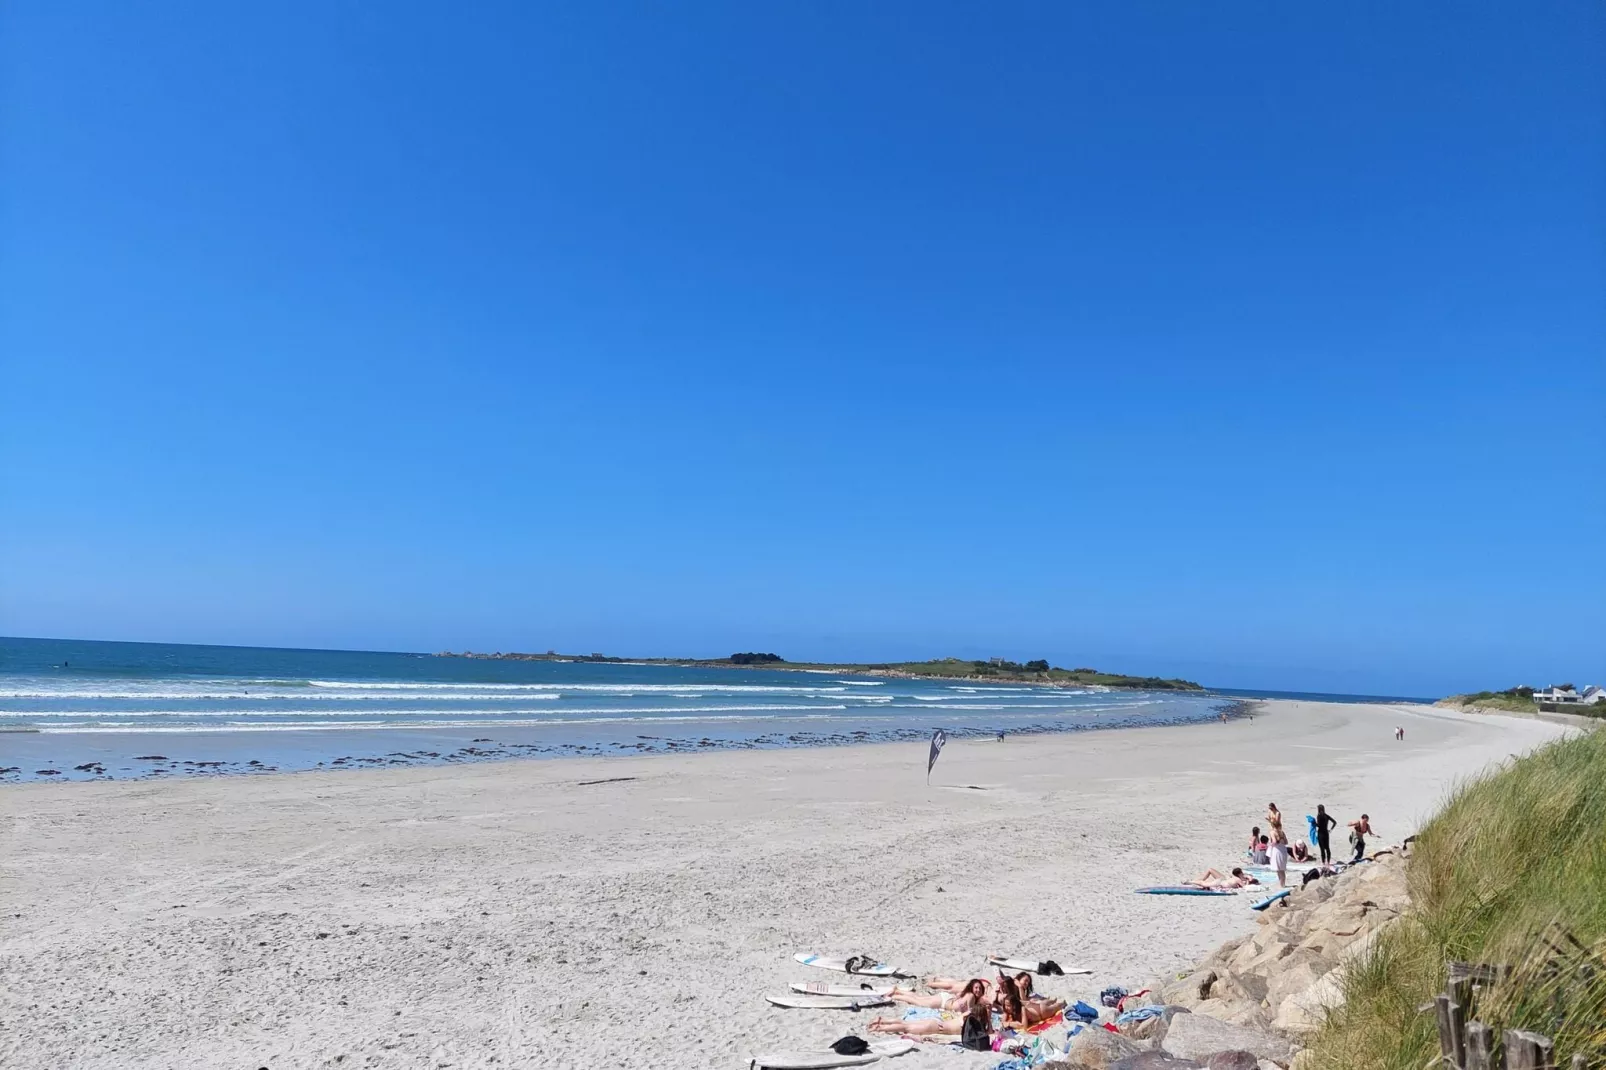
(91, 709)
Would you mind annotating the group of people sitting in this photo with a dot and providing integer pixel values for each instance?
(974, 1010)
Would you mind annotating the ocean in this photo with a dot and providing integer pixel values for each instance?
(84, 710)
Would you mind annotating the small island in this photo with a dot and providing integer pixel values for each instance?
(991, 670)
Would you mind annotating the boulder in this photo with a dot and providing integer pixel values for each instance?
(1153, 1060)
(1095, 1048)
(1232, 1060)
(1246, 987)
(1198, 1036)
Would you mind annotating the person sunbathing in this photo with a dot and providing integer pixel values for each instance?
(1213, 880)
(975, 990)
(959, 984)
(1036, 1008)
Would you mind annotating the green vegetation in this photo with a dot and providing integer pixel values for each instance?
(754, 659)
(1510, 872)
(1517, 699)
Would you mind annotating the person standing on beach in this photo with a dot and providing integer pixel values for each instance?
(1359, 830)
(1279, 844)
(1325, 824)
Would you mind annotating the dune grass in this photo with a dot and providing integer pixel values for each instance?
(1511, 871)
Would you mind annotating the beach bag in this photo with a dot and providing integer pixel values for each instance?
(1050, 969)
(855, 963)
(1112, 996)
(974, 1036)
(851, 1045)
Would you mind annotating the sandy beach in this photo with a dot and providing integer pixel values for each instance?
(632, 912)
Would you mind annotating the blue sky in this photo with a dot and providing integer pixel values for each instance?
(1260, 344)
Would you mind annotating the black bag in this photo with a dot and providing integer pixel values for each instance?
(974, 1036)
(1050, 969)
(851, 1045)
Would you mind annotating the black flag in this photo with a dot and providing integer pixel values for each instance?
(938, 738)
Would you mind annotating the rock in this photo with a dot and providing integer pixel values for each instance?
(1096, 1048)
(1245, 987)
(1197, 1036)
(1153, 1060)
(1192, 989)
(1303, 1061)
(1292, 977)
(1232, 1060)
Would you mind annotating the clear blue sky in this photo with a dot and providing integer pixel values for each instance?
(1259, 343)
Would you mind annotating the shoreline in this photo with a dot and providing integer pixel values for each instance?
(97, 754)
(633, 911)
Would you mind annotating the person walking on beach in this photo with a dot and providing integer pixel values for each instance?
(1325, 824)
(1359, 830)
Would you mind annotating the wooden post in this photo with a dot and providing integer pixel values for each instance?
(1447, 1037)
(1529, 1051)
(1480, 1048)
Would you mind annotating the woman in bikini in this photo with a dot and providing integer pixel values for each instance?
(1213, 880)
(1034, 1007)
(975, 990)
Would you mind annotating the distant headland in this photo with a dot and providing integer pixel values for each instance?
(992, 670)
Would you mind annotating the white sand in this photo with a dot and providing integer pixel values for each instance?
(505, 915)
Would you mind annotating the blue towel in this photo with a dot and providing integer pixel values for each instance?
(1083, 1011)
(1139, 1015)
(921, 1014)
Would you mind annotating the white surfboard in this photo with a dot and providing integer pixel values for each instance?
(826, 988)
(1029, 965)
(816, 1060)
(841, 966)
(854, 1002)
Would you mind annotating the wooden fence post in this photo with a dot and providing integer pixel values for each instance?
(1480, 1048)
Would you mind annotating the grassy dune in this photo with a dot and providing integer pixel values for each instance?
(1513, 861)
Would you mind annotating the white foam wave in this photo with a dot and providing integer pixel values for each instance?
(105, 727)
(43, 717)
(364, 685)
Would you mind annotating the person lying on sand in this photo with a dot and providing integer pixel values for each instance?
(1035, 1008)
(959, 984)
(974, 991)
(1213, 880)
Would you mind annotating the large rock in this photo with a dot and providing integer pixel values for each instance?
(1153, 1060)
(1198, 1036)
(1096, 1048)
(1232, 1060)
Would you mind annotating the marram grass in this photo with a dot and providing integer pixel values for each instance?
(1512, 871)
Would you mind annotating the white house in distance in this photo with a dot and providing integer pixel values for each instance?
(1571, 696)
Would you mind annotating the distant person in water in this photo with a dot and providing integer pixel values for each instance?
(1000, 735)
(1324, 827)
(1359, 830)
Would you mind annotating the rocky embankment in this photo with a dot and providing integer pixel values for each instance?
(1250, 1004)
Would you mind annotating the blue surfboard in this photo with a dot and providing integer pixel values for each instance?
(1262, 904)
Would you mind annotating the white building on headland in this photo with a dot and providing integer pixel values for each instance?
(1571, 696)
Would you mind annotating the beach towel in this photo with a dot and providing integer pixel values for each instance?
(1082, 1011)
(1047, 1023)
(922, 1014)
(1128, 1017)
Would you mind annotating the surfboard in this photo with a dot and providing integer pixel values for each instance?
(1179, 890)
(820, 962)
(1262, 904)
(815, 1060)
(1029, 965)
(830, 1003)
(826, 988)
